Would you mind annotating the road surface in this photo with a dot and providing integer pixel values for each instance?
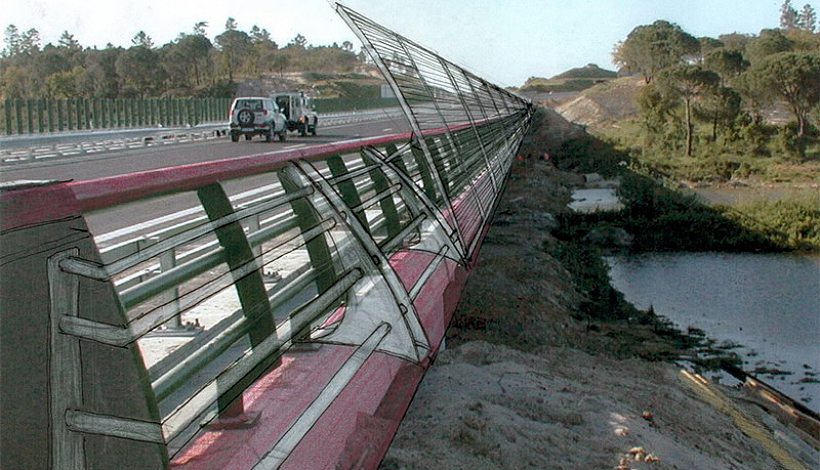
(91, 166)
(84, 167)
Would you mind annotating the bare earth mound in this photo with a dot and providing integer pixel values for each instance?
(604, 103)
(485, 406)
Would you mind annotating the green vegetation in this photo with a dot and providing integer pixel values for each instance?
(192, 65)
(651, 48)
(590, 276)
(661, 218)
(705, 98)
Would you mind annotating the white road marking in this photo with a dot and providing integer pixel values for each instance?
(294, 146)
(388, 129)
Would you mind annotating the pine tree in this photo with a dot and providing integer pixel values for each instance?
(807, 18)
(13, 41)
(788, 15)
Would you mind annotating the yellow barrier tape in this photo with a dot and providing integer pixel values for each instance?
(749, 427)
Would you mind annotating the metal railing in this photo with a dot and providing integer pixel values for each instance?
(91, 146)
(39, 116)
(157, 332)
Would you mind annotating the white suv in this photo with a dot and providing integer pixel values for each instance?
(299, 111)
(254, 115)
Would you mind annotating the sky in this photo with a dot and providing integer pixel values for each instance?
(503, 41)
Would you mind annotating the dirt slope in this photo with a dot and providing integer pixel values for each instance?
(604, 103)
(523, 384)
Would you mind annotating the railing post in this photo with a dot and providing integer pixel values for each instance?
(141, 105)
(78, 108)
(50, 112)
(387, 204)
(87, 113)
(65, 368)
(347, 188)
(103, 117)
(70, 113)
(19, 115)
(168, 261)
(318, 251)
(60, 122)
(40, 123)
(426, 175)
(29, 116)
(7, 114)
(250, 288)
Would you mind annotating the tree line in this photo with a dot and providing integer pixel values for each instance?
(192, 65)
(725, 84)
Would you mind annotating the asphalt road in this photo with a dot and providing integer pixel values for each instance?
(75, 137)
(83, 167)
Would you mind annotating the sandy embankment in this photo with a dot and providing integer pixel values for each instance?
(523, 384)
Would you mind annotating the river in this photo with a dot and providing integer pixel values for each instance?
(767, 303)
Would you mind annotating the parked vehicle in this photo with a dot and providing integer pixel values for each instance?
(254, 115)
(299, 111)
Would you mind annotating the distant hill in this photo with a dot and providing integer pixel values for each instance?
(577, 79)
(587, 71)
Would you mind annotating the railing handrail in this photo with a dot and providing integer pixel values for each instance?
(19, 209)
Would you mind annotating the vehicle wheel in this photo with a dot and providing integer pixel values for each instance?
(248, 136)
(234, 137)
(245, 117)
(283, 136)
(269, 136)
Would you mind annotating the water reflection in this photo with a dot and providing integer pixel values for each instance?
(768, 303)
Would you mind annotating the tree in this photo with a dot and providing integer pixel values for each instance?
(68, 41)
(770, 41)
(728, 63)
(651, 48)
(195, 50)
(101, 79)
(656, 110)
(263, 50)
(14, 82)
(142, 40)
(689, 84)
(260, 35)
(807, 18)
(13, 41)
(233, 44)
(298, 41)
(30, 42)
(720, 107)
(199, 28)
(791, 76)
(788, 15)
(140, 71)
(708, 45)
(62, 85)
(348, 46)
(734, 41)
